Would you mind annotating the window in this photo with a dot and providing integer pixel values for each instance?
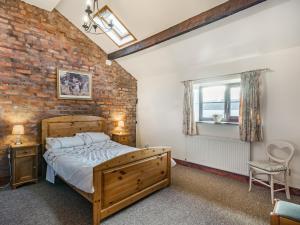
(234, 101)
(222, 98)
(119, 33)
(213, 101)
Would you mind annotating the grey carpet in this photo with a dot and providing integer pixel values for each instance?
(195, 198)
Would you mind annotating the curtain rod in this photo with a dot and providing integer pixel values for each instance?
(208, 78)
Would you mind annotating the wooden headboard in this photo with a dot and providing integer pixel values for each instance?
(67, 126)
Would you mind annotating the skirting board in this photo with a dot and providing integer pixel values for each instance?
(241, 178)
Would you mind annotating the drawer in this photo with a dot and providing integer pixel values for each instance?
(3, 151)
(25, 169)
(25, 152)
(123, 139)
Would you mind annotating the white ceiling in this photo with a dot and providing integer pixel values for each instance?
(267, 27)
(48, 5)
(142, 17)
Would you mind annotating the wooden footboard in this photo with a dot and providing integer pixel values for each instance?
(120, 181)
(124, 180)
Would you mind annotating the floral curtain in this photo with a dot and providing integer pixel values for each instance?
(250, 123)
(189, 125)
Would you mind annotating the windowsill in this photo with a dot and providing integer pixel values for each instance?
(221, 123)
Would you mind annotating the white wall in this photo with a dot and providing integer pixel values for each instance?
(161, 103)
(47, 5)
(159, 113)
(266, 35)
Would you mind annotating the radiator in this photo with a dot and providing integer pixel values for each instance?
(220, 153)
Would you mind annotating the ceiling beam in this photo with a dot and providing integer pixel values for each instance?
(212, 15)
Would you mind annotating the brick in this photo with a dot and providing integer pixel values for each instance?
(34, 43)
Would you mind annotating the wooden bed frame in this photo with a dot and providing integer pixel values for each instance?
(120, 181)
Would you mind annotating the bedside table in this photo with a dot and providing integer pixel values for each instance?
(122, 138)
(4, 166)
(24, 162)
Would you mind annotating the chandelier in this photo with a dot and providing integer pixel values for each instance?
(94, 22)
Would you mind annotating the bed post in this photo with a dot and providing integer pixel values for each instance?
(136, 174)
(97, 183)
(169, 168)
(44, 136)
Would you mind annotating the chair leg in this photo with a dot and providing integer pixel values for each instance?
(250, 179)
(287, 188)
(272, 188)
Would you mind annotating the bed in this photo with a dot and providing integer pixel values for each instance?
(121, 180)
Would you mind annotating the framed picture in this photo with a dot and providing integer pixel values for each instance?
(74, 85)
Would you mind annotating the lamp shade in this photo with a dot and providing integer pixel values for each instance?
(121, 123)
(18, 130)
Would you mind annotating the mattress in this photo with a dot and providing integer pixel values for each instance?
(75, 165)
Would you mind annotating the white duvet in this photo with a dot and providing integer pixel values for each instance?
(75, 164)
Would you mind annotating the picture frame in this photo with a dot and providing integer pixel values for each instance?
(76, 85)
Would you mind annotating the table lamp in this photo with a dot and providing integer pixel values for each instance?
(18, 130)
(121, 125)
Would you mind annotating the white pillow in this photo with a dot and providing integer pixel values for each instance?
(93, 137)
(64, 142)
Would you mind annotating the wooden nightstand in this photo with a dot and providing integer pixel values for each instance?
(4, 165)
(122, 138)
(24, 160)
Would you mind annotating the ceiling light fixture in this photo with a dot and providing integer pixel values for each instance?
(90, 25)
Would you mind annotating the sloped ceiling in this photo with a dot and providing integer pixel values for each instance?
(48, 5)
(267, 27)
(142, 17)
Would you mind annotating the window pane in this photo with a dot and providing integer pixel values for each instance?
(196, 103)
(235, 93)
(119, 33)
(213, 94)
(234, 101)
(113, 35)
(213, 101)
(119, 28)
(209, 109)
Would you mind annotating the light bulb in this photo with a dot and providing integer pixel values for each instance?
(89, 3)
(86, 19)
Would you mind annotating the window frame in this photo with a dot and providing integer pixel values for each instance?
(227, 102)
(228, 96)
(104, 8)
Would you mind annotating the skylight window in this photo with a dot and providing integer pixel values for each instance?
(119, 33)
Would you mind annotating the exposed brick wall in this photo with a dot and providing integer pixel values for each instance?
(33, 44)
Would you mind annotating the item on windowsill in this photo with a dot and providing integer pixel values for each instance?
(217, 118)
(18, 130)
